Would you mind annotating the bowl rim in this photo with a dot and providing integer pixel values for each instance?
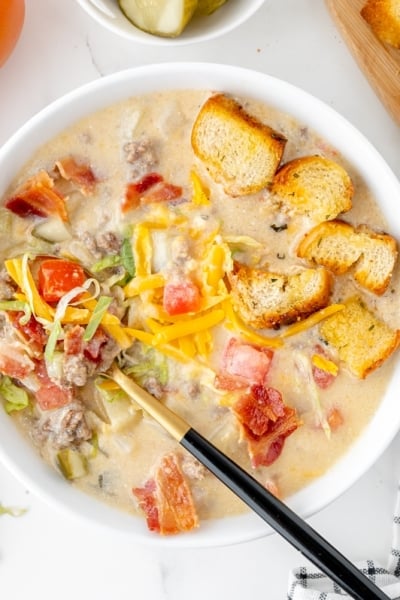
(15, 452)
(102, 14)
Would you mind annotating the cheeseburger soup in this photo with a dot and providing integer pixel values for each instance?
(119, 243)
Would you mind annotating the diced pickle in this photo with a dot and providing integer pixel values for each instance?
(72, 463)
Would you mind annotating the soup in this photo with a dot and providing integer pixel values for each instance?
(119, 244)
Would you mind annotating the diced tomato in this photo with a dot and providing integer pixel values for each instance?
(151, 188)
(79, 174)
(166, 499)
(243, 365)
(32, 331)
(57, 277)
(181, 297)
(37, 196)
(14, 362)
(50, 395)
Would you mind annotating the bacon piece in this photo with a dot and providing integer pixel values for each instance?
(322, 378)
(147, 497)
(243, 365)
(265, 423)
(264, 450)
(335, 419)
(166, 499)
(80, 175)
(258, 408)
(151, 188)
(162, 192)
(32, 332)
(14, 362)
(38, 197)
(74, 345)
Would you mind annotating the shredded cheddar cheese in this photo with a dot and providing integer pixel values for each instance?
(143, 283)
(314, 319)
(183, 328)
(142, 250)
(234, 323)
(325, 364)
(200, 193)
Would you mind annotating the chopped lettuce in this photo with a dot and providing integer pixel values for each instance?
(19, 306)
(98, 313)
(12, 511)
(154, 364)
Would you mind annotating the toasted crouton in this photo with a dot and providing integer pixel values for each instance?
(383, 16)
(238, 150)
(338, 246)
(268, 300)
(362, 340)
(314, 186)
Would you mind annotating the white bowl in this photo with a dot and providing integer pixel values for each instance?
(16, 452)
(200, 29)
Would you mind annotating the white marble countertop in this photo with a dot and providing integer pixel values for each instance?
(46, 555)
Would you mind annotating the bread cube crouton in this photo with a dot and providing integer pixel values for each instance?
(383, 16)
(339, 246)
(267, 300)
(238, 150)
(314, 186)
(362, 340)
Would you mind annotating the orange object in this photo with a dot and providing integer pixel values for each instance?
(12, 14)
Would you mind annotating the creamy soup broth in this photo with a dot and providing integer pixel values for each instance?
(127, 447)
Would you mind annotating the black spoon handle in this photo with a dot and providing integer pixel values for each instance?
(282, 519)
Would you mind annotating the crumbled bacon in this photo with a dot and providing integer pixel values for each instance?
(80, 174)
(151, 188)
(14, 362)
(335, 419)
(32, 332)
(166, 499)
(265, 423)
(243, 365)
(38, 197)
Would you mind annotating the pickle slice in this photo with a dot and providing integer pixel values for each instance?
(166, 18)
(207, 7)
(72, 463)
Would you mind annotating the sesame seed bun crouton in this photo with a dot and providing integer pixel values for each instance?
(339, 246)
(314, 186)
(383, 16)
(362, 340)
(267, 300)
(238, 150)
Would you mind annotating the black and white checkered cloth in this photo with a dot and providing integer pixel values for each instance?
(307, 583)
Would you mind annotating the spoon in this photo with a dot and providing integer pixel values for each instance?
(272, 510)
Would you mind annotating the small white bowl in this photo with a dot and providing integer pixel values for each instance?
(17, 453)
(200, 29)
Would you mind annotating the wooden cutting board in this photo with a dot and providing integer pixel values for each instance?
(379, 62)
